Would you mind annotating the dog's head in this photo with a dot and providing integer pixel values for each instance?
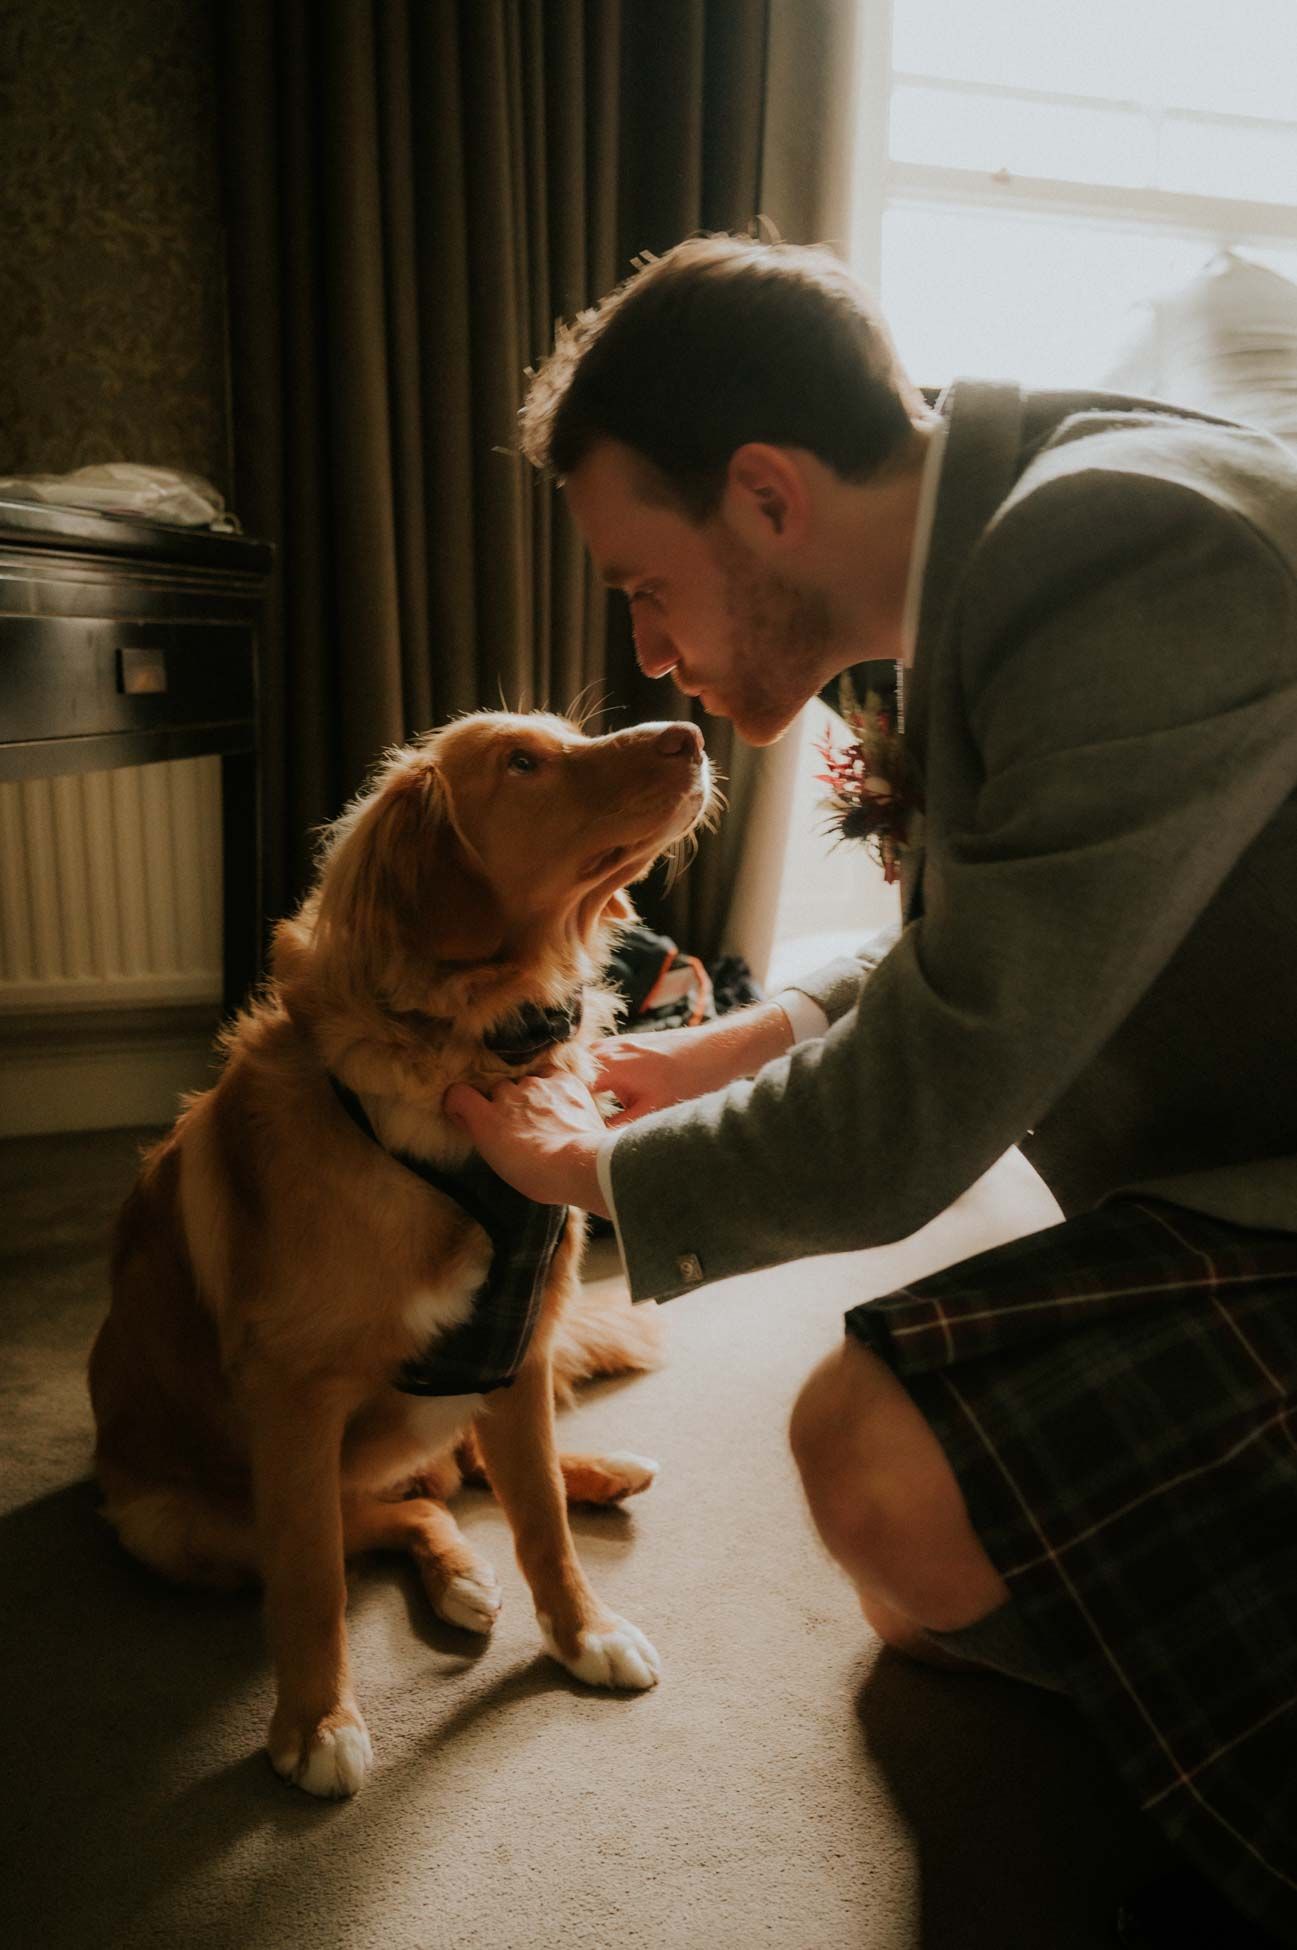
(496, 849)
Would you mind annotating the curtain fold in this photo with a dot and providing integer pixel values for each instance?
(415, 191)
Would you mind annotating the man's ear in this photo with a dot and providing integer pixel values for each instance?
(766, 493)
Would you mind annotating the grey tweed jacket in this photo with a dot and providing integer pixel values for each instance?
(1099, 956)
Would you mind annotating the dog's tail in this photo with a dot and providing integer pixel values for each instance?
(601, 1333)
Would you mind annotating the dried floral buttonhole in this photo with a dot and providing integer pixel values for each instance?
(874, 789)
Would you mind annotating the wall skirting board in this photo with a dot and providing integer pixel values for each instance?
(101, 1069)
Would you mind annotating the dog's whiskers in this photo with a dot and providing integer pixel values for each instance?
(679, 855)
(582, 714)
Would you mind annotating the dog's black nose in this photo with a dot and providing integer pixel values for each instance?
(679, 740)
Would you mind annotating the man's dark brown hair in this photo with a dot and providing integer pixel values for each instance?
(721, 341)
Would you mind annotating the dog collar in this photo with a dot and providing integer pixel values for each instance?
(530, 1030)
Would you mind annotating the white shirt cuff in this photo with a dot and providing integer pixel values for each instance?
(603, 1172)
(806, 1017)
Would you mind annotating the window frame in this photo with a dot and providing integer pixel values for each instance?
(881, 181)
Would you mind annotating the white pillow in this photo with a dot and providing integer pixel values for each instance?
(1226, 343)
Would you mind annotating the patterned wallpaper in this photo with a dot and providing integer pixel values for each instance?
(112, 303)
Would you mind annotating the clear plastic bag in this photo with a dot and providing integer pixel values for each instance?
(124, 487)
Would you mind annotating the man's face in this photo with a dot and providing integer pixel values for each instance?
(705, 608)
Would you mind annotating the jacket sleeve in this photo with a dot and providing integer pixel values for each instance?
(1130, 698)
(836, 987)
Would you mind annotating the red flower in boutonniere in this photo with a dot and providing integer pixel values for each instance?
(874, 787)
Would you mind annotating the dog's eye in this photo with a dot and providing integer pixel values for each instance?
(522, 761)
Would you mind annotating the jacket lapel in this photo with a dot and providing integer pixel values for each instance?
(983, 457)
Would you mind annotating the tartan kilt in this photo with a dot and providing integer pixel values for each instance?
(1116, 1396)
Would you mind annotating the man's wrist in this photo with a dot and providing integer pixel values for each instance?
(590, 1196)
(805, 1018)
(744, 1042)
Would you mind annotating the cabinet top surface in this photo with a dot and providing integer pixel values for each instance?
(43, 526)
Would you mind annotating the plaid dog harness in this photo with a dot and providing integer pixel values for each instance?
(487, 1350)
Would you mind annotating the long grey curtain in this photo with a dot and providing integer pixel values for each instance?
(415, 190)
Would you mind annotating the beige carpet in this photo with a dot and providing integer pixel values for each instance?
(787, 1785)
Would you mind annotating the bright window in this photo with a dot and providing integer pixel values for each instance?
(1051, 165)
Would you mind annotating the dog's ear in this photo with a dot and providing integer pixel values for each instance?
(404, 892)
(459, 914)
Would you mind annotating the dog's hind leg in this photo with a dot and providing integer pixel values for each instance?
(461, 1586)
(188, 1538)
(586, 1479)
(606, 1479)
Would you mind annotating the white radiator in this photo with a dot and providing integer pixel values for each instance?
(110, 888)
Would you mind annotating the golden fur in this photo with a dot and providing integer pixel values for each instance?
(273, 1267)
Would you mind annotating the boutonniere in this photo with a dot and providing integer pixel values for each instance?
(874, 787)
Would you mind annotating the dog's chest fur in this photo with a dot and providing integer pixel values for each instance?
(438, 1299)
(431, 1309)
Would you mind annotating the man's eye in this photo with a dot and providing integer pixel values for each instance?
(646, 595)
(521, 761)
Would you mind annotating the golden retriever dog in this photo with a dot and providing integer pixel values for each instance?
(314, 1300)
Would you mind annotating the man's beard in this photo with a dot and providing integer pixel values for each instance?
(778, 638)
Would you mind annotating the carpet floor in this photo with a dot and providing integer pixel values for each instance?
(789, 1784)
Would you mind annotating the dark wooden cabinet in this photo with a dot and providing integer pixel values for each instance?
(123, 642)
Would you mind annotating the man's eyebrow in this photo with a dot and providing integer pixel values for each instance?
(615, 576)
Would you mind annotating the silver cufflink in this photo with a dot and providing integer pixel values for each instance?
(690, 1268)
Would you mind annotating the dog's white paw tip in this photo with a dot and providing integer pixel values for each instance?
(638, 1471)
(336, 1763)
(618, 1656)
(472, 1600)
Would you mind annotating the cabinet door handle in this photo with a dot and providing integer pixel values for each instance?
(140, 671)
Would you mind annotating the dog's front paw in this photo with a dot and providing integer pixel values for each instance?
(470, 1600)
(330, 1759)
(617, 1654)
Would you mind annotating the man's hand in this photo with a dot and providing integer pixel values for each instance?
(648, 1072)
(666, 1066)
(541, 1134)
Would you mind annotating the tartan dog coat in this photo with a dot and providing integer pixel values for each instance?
(487, 1350)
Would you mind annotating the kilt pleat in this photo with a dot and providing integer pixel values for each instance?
(1116, 1397)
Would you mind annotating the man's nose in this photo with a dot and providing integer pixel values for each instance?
(654, 651)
